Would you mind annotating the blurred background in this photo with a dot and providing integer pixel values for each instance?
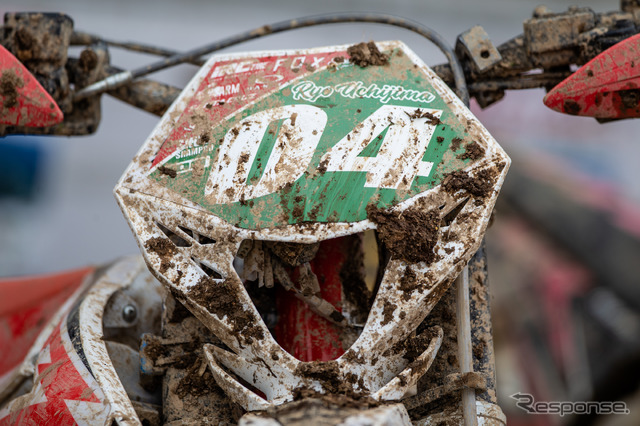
(564, 249)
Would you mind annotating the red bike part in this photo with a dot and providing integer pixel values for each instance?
(301, 332)
(23, 101)
(26, 306)
(65, 392)
(606, 87)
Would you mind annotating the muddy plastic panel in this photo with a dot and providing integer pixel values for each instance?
(26, 306)
(75, 381)
(300, 147)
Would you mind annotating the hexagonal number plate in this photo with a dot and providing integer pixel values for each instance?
(282, 138)
(303, 146)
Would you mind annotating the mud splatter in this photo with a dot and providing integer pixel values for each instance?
(10, 82)
(473, 151)
(221, 298)
(164, 249)
(168, 171)
(455, 144)
(294, 254)
(408, 283)
(480, 185)
(410, 235)
(365, 54)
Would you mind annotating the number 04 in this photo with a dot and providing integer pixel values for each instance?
(399, 159)
(397, 162)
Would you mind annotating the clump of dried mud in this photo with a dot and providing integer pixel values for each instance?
(410, 235)
(342, 388)
(294, 254)
(473, 151)
(10, 82)
(222, 299)
(164, 249)
(480, 185)
(365, 54)
(167, 171)
(196, 384)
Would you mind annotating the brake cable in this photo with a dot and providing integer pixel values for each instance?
(123, 78)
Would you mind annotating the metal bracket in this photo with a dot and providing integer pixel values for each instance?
(475, 43)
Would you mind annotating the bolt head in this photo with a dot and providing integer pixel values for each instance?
(129, 313)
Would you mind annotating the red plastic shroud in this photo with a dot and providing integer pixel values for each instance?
(301, 332)
(26, 306)
(607, 87)
(23, 101)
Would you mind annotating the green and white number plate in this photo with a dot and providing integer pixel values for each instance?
(295, 146)
(277, 138)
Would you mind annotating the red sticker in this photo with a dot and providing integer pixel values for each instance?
(231, 85)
